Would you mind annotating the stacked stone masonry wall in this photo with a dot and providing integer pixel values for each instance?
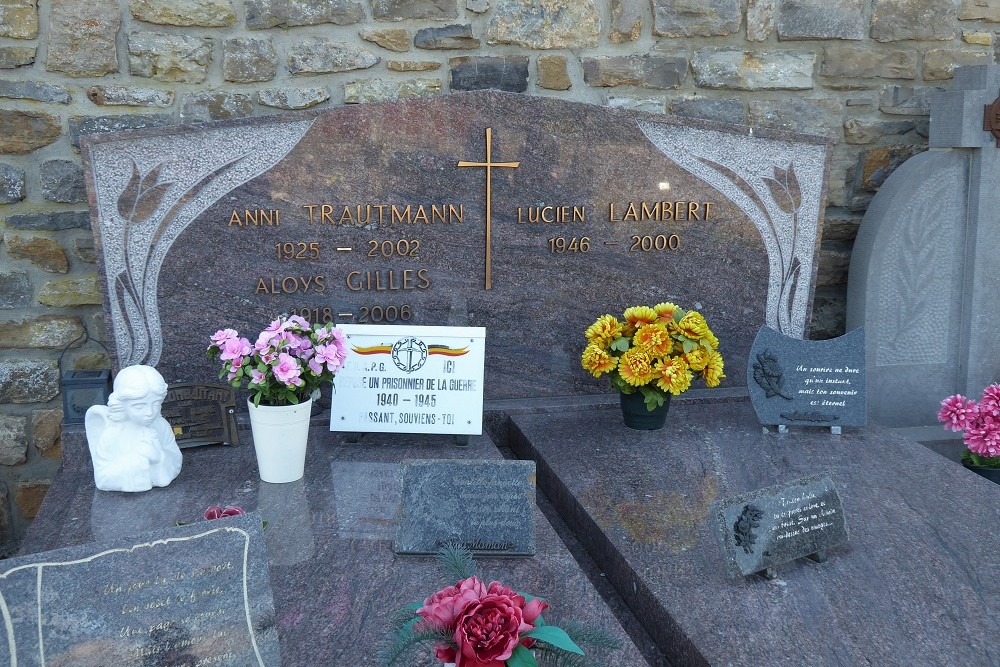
(859, 71)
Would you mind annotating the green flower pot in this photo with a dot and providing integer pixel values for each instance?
(636, 415)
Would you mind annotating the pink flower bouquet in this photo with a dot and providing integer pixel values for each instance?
(475, 624)
(287, 363)
(980, 422)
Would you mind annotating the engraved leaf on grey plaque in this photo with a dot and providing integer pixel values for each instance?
(745, 528)
(769, 375)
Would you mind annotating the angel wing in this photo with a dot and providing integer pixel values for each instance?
(95, 422)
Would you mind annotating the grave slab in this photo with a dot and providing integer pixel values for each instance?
(477, 209)
(915, 585)
(328, 540)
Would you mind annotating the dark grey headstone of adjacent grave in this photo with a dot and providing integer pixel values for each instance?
(477, 209)
(485, 506)
(925, 261)
(193, 595)
(771, 526)
(808, 382)
(201, 414)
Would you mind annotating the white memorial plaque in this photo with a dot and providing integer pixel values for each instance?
(402, 379)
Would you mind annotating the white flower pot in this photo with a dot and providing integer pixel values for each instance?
(280, 433)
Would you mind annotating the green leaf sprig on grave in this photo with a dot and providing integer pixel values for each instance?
(475, 624)
(980, 422)
(654, 351)
(287, 363)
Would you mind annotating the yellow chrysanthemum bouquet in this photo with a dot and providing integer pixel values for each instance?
(654, 351)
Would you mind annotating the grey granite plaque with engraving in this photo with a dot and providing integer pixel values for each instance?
(201, 414)
(486, 506)
(195, 595)
(808, 382)
(771, 526)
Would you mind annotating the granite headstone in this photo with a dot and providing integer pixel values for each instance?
(485, 506)
(808, 382)
(925, 263)
(193, 595)
(771, 526)
(477, 209)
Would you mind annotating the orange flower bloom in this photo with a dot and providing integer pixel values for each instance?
(640, 316)
(713, 370)
(597, 361)
(665, 311)
(604, 331)
(636, 367)
(674, 375)
(693, 325)
(697, 359)
(655, 339)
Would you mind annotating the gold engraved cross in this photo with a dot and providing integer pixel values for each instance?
(489, 164)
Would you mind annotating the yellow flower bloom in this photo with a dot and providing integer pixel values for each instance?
(693, 325)
(673, 375)
(597, 361)
(713, 370)
(697, 359)
(636, 367)
(665, 311)
(711, 339)
(655, 339)
(604, 331)
(640, 316)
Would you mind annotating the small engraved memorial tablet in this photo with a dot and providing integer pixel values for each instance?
(808, 382)
(201, 414)
(778, 524)
(486, 506)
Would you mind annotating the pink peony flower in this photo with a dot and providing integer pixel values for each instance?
(488, 631)
(216, 512)
(287, 370)
(442, 609)
(957, 412)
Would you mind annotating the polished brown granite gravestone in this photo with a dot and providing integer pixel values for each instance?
(528, 216)
(916, 584)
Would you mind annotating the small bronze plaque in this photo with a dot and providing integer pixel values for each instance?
(201, 414)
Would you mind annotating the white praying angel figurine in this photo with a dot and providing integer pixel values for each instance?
(133, 448)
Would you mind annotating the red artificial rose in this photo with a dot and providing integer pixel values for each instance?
(216, 512)
(489, 630)
(441, 610)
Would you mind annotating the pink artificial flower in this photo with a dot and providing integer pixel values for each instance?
(300, 322)
(489, 630)
(288, 370)
(332, 355)
(958, 412)
(216, 512)
(276, 326)
(256, 377)
(222, 335)
(233, 348)
(441, 610)
(315, 366)
(989, 404)
(264, 340)
(983, 436)
(323, 333)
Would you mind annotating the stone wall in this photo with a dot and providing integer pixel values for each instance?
(859, 71)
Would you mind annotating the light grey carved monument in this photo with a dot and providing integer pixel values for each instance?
(926, 265)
